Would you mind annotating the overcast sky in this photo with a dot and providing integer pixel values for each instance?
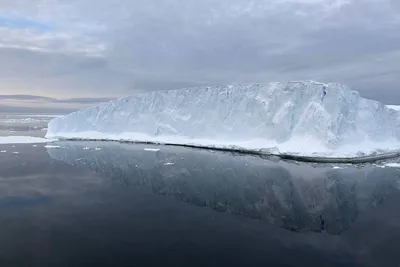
(112, 48)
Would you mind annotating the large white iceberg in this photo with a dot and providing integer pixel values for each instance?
(289, 116)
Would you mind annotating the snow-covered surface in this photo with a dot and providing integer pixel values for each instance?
(23, 140)
(279, 117)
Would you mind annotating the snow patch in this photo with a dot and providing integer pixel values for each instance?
(39, 115)
(169, 163)
(3, 151)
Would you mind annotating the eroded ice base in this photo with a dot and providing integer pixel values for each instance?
(302, 146)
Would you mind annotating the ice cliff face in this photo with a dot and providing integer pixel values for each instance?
(272, 111)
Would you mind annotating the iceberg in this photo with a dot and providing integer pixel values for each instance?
(288, 117)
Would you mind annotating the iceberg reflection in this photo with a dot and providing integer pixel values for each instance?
(299, 197)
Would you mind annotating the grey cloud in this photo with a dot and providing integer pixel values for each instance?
(158, 44)
(395, 4)
(35, 110)
(25, 97)
(40, 104)
(58, 76)
(84, 100)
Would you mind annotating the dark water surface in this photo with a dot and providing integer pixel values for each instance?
(110, 204)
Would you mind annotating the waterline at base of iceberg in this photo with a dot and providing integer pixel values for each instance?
(297, 148)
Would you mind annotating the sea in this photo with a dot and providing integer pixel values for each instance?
(80, 203)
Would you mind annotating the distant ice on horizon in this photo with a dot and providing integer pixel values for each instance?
(39, 115)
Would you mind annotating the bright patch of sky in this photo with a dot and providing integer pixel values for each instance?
(45, 28)
(20, 22)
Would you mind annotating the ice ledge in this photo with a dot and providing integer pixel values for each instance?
(24, 140)
(296, 149)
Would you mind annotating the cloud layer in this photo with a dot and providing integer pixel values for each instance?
(85, 48)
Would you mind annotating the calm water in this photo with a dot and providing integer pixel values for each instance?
(110, 204)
